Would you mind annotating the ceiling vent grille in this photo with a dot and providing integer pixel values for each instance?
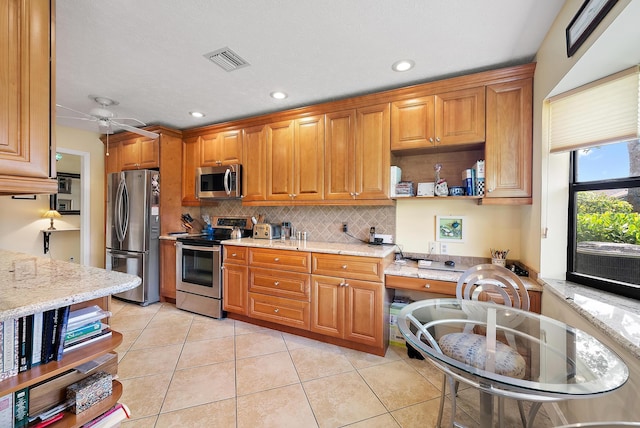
(226, 59)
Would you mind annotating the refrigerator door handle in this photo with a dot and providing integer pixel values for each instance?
(121, 210)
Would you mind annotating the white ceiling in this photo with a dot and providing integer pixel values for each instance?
(148, 54)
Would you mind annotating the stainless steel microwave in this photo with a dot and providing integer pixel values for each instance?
(219, 182)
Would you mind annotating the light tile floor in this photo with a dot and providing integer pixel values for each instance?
(180, 369)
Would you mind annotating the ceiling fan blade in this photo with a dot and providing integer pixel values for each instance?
(135, 130)
(140, 123)
(93, 119)
(75, 111)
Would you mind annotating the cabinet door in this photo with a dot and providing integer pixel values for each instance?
(190, 161)
(508, 149)
(412, 123)
(254, 164)
(339, 155)
(235, 289)
(309, 158)
(363, 312)
(168, 269)
(149, 153)
(209, 150)
(327, 305)
(25, 103)
(373, 156)
(129, 154)
(230, 143)
(280, 157)
(460, 117)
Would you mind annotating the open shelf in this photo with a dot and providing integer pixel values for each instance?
(72, 420)
(69, 361)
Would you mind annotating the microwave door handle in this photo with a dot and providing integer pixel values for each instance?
(227, 186)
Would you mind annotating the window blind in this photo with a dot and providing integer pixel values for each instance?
(601, 112)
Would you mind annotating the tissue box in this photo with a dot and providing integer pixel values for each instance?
(90, 391)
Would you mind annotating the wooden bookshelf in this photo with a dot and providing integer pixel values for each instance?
(71, 420)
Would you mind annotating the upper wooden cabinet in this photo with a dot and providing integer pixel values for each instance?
(254, 164)
(139, 153)
(190, 162)
(508, 149)
(447, 119)
(27, 67)
(295, 159)
(222, 148)
(356, 155)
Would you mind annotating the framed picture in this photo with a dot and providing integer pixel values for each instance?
(450, 228)
(64, 184)
(65, 205)
(590, 14)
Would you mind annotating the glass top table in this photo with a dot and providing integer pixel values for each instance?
(559, 361)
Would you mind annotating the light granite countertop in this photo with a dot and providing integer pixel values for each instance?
(30, 284)
(439, 272)
(616, 316)
(363, 249)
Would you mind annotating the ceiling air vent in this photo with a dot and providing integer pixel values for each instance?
(227, 59)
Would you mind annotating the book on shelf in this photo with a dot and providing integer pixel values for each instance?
(9, 343)
(63, 319)
(36, 338)
(21, 408)
(467, 182)
(480, 177)
(89, 335)
(83, 316)
(6, 410)
(110, 418)
(83, 330)
(25, 332)
(102, 334)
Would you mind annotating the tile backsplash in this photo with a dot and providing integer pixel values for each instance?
(322, 223)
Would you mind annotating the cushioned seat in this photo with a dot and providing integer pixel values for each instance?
(471, 348)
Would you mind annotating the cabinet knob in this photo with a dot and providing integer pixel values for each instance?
(430, 139)
(427, 285)
(276, 310)
(276, 283)
(344, 266)
(437, 139)
(233, 255)
(277, 259)
(490, 190)
(357, 194)
(344, 284)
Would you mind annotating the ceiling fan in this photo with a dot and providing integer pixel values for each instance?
(106, 119)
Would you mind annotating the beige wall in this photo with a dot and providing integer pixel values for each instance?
(21, 225)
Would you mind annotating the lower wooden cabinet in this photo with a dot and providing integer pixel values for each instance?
(294, 313)
(168, 269)
(234, 289)
(348, 309)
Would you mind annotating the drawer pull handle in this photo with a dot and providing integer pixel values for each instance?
(344, 266)
(276, 310)
(276, 283)
(344, 284)
(427, 285)
(277, 259)
(234, 255)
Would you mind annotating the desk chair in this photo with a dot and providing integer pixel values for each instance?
(501, 286)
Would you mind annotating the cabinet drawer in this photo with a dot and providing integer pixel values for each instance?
(355, 267)
(294, 313)
(237, 255)
(419, 284)
(293, 285)
(294, 261)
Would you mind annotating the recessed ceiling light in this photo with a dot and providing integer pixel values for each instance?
(196, 114)
(278, 95)
(403, 65)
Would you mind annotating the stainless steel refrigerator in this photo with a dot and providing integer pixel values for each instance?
(133, 229)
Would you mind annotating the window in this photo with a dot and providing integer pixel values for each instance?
(604, 218)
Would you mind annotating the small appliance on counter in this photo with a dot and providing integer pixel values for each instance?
(199, 262)
(266, 231)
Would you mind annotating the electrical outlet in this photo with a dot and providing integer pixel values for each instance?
(433, 247)
(444, 248)
(345, 227)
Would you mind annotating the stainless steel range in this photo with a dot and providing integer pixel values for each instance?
(198, 266)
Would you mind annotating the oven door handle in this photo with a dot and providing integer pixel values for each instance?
(214, 249)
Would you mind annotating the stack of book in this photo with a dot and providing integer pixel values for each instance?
(85, 326)
(473, 179)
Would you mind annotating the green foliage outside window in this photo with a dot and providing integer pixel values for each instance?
(603, 218)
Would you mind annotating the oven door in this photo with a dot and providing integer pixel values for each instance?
(198, 270)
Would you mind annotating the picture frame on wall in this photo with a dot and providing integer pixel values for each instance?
(450, 228)
(64, 184)
(590, 14)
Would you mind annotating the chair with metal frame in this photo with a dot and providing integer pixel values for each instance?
(501, 286)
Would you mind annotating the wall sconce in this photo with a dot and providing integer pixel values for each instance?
(51, 214)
